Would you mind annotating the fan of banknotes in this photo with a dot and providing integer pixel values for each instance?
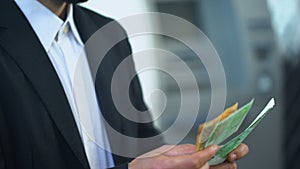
(226, 124)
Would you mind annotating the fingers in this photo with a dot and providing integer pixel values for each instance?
(226, 165)
(207, 153)
(238, 153)
(187, 159)
(191, 161)
(171, 150)
(206, 166)
(159, 151)
(181, 150)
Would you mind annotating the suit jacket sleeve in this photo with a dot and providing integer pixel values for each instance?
(144, 130)
(1, 160)
(2, 164)
(122, 166)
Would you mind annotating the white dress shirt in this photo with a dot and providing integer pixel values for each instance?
(64, 47)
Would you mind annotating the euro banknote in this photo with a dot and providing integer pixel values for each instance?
(228, 126)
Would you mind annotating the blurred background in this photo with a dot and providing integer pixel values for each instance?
(258, 42)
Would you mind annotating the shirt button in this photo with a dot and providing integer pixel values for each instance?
(66, 29)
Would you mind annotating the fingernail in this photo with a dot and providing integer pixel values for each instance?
(215, 148)
(233, 157)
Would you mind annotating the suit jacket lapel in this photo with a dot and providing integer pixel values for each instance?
(87, 27)
(21, 43)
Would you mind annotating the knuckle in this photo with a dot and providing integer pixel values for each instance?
(195, 163)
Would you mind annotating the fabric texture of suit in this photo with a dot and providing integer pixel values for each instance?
(37, 128)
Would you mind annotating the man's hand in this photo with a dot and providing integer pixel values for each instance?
(175, 157)
(185, 157)
(235, 155)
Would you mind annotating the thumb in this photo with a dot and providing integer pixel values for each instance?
(181, 150)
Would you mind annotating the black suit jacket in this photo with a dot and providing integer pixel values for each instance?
(37, 128)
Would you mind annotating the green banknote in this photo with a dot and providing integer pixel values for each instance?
(235, 142)
(230, 125)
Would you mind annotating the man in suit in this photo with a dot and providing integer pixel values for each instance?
(40, 117)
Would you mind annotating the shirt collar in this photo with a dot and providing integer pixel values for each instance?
(71, 25)
(45, 23)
